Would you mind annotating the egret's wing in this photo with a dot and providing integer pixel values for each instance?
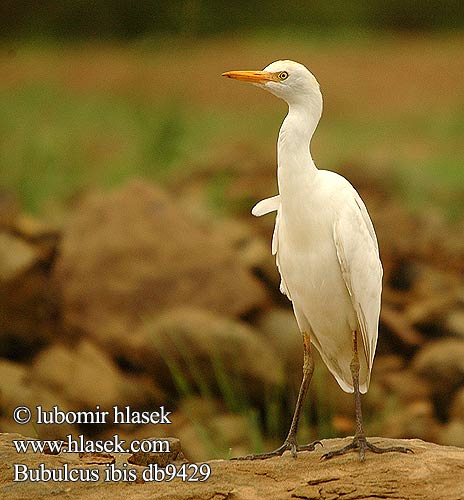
(275, 251)
(263, 207)
(358, 255)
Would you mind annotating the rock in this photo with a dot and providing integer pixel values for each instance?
(29, 312)
(16, 257)
(457, 406)
(452, 434)
(443, 359)
(386, 364)
(87, 377)
(129, 254)
(416, 419)
(441, 363)
(232, 183)
(16, 389)
(333, 406)
(32, 395)
(44, 237)
(254, 250)
(89, 458)
(207, 430)
(406, 386)
(12, 376)
(9, 210)
(279, 328)
(191, 350)
(454, 322)
(431, 469)
(172, 451)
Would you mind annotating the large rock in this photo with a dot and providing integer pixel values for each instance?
(17, 389)
(16, 256)
(433, 471)
(452, 434)
(128, 254)
(279, 328)
(441, 363)
(207, 430)
(405, 385)
(455, 320)
(457, 406)
(193, 350)
(28, 307)
(9, 209)
(86, 377)
(416, 419)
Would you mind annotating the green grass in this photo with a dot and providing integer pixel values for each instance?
(54, 143)
(214, 380)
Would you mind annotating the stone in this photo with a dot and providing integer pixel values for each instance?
(161, 458)
(17, 389)
(416, 419)
(9, 209)
(16, 256)
(96, 458)
(191, 350)
(406, 385)
(452, 434)
(29, 311)
(86, 377)
(208, 430)
(253, 250)
(134, 252)
(441, 364)
(454, 322)
(457, 405)
(431, 469)
(279, 328)
(12, 376)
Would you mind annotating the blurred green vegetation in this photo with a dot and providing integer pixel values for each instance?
(54, 143)
(79, 117)
(123, 19)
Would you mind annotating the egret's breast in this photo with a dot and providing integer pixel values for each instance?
(310, 268)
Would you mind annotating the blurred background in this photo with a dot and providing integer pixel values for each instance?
(131, 269)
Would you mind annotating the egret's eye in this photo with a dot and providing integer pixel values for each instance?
(282, 75)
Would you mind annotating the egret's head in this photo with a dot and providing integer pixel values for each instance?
(289, 80)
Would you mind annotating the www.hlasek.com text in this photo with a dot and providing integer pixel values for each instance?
(82, 445)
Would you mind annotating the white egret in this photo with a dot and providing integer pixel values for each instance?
(326, 252)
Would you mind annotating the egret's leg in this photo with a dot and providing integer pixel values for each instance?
(290, 442)
(359, 441)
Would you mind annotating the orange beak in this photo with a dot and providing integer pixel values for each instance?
(251, 76)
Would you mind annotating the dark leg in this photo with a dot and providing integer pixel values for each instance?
(359, 441)
(290, 442)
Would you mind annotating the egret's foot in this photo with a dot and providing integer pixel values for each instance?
(361, 443)
(289, 444)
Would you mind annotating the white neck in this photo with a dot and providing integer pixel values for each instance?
(295, 165)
